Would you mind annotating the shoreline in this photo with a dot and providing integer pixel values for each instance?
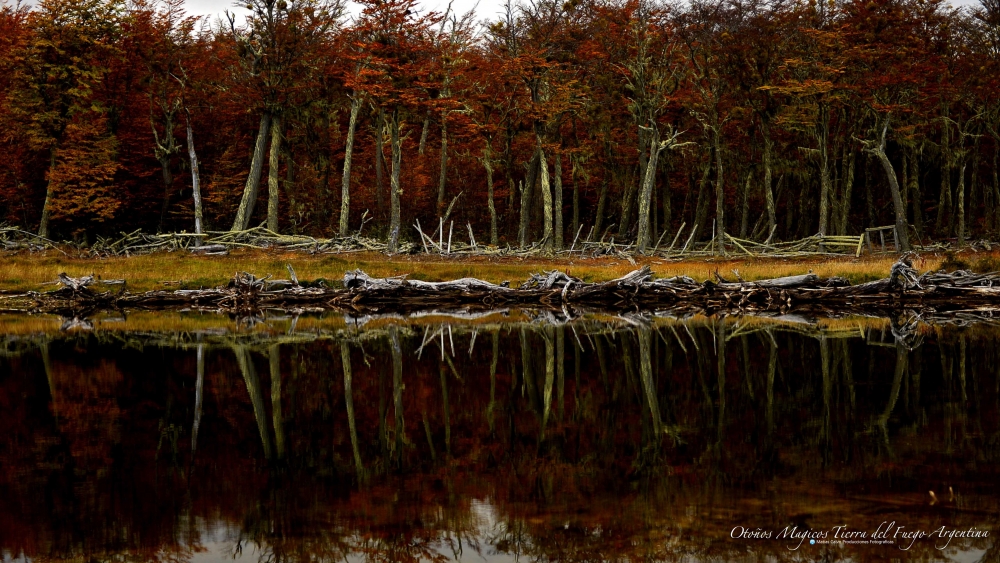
(24, 271)
(903, 296)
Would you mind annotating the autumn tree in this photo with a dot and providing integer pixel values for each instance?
(275, 47)
(397, 43)
(54, 98)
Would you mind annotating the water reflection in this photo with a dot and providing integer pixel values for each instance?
(503, 437)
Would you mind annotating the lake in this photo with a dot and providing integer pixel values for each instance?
(514, 435)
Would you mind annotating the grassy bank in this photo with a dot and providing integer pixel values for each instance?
(22, 271)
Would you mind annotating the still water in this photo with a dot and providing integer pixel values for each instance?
(511, 436)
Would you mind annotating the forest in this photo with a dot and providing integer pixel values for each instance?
(551, 122)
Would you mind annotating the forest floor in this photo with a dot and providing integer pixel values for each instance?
(37, 271)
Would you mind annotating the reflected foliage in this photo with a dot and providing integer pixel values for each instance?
(646, 440)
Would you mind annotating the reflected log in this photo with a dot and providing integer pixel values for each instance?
(198, 394)
(256, 396)
(345, 361)
(550, 374)
(274, 361)
(397, 390)
(648, 384)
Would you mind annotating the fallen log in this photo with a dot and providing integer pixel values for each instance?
(933, 293)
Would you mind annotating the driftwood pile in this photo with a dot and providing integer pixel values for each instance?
(934, 293)
(221, 242)
(445, 240)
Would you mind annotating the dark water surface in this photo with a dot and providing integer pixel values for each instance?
(506, 437)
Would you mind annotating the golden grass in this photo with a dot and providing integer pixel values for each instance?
(23, 272)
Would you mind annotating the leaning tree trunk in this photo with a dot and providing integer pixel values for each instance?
(897, 200)
(195, 177)
(628, 200)
(253, 180)
(395, 189)
(345, 184)
(43, 225)
(646, 194)
(272, 175)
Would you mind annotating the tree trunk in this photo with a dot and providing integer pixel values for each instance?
(720, 204)
(701, 205)
(295, 210)
(43, 225)
(558, 202)
(272, 174)
(634, 187)
(195, 177)
(442, 179)
(824, 171)
(508, 167)
(168, 182)
(745, 208)
(996, 183)
(665, 196)
(915, 195)
(897, 201)
(488, 164)
(249, 198)
(576, 199)
(522, 233)
(345, 184)
(844, 205)
(380, 161)
(547, 237)
(395, 189)
(602, 201)
(646, 193)
(772, 220)
(423, 133)
(961, 204)
(944, 198)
